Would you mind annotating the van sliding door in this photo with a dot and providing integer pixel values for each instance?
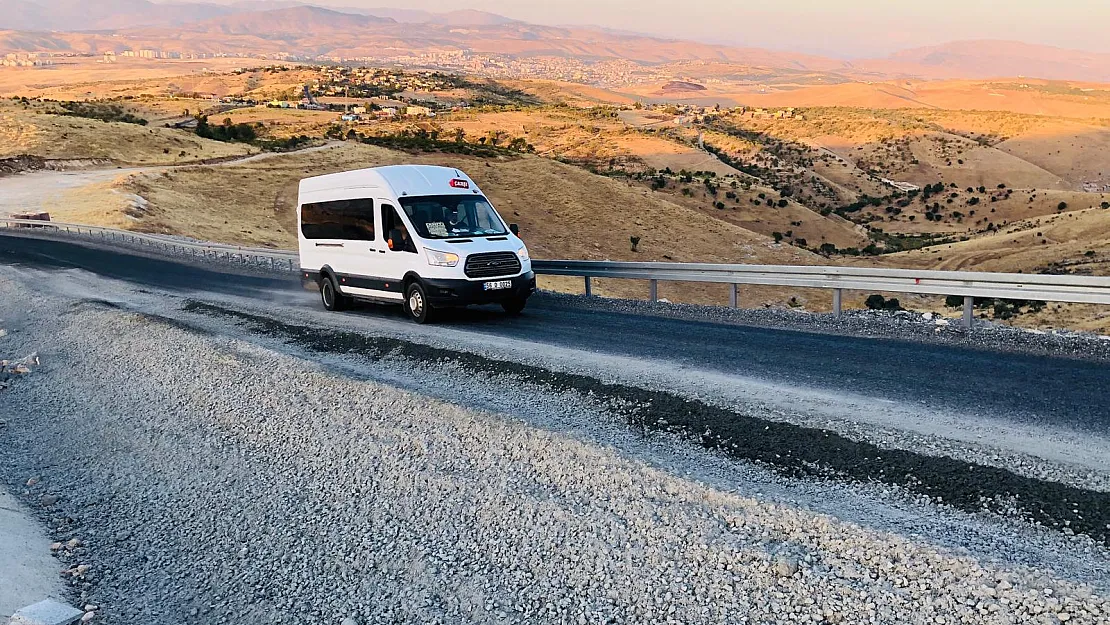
(343, 236)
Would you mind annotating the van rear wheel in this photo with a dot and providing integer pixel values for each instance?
(330, 295)
(416, 303)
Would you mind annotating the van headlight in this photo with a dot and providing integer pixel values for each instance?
(523, 254)
(442, 259)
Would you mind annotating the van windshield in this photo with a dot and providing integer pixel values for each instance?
(452, 216)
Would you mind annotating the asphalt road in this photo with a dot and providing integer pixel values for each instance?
(1044, 390)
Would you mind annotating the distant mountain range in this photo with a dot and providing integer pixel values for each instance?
(267, 27)
(992, 59)
(85, 15)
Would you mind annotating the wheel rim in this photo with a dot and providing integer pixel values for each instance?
(416, 303)
(328, 294)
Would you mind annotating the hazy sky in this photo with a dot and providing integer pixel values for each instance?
(841, 28)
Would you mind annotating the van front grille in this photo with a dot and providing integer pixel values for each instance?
(492, 265)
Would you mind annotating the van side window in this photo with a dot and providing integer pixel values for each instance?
(350, 220)
(391, 223)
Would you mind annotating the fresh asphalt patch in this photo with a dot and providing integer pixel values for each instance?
(791, 450)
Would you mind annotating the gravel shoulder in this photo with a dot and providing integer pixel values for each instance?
(213, 474)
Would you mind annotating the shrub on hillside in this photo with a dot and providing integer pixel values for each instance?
(878, 302)
(286, 144)
(1002, 308)
(99, 111)
(226, 132)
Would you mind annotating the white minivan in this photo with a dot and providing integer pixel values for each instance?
(418, 235)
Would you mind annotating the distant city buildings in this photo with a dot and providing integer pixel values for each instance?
(25, 59)
(429, 67)
(150, 53)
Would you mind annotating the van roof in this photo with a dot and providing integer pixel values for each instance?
(400, 180)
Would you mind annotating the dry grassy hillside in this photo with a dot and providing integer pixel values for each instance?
(571, 94)
(83, 79)
(834, 158)
(595, 137)
(30, 130)
(968, 147)
(1079, 153)
(960, 211)
(1076, 242)
(79, 78)
(762, 210)
(1073, 242)
(1020, 96)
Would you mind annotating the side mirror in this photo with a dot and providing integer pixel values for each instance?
(394, 239)
(514, 228)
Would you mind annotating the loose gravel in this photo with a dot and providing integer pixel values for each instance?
(192, 477)
(794, 450)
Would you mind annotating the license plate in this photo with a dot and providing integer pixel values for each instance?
(498, 285)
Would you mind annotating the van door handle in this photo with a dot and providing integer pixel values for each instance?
(329, 245)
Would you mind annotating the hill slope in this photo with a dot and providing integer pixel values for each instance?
(293, 22)
(992, 59)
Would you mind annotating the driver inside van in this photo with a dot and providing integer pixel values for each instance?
(455, 217)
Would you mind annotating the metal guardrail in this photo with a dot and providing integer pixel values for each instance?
(274, 259)
(970, 285)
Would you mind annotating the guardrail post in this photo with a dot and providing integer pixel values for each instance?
(734, 296)
(655, 290)
(589, 287)
(838, 299)
(969, 312)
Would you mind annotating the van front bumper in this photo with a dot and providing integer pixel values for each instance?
(442, 292)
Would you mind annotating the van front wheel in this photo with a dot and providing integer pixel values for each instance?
(416, 303)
